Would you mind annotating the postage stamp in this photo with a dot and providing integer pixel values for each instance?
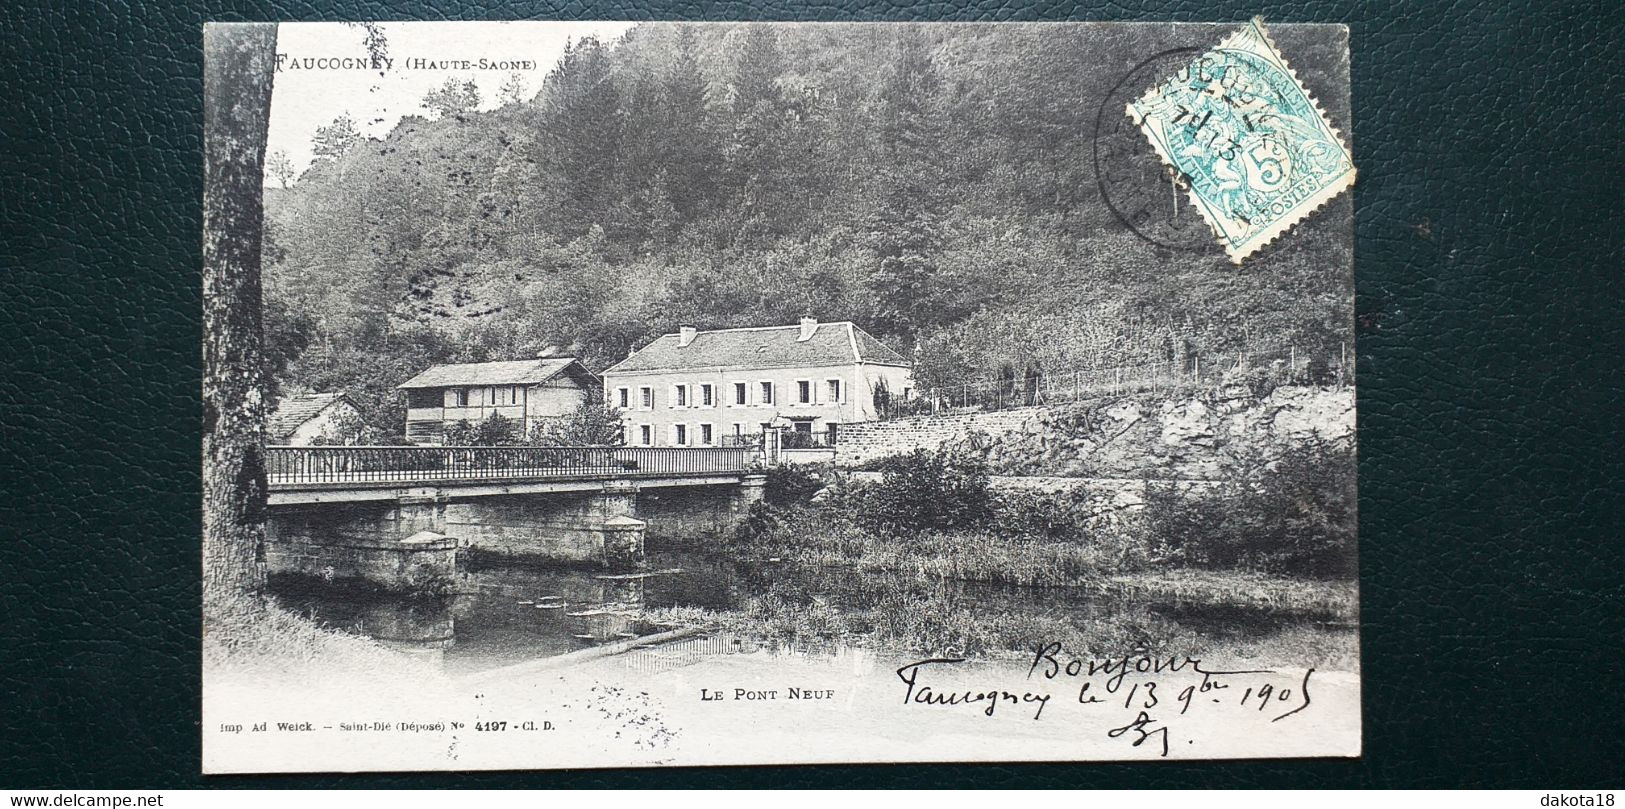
(1252, 148)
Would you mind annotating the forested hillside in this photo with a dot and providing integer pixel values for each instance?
(934, 184)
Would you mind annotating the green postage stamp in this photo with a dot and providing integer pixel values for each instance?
(1245, 138)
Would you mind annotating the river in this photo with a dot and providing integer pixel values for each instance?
(504, 613)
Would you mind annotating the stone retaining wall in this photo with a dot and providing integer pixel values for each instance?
(862, 443)
(1137, 436)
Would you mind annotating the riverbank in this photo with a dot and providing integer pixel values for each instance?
(1099, 567)
(928, 558)
(912, 616)
(254, 639)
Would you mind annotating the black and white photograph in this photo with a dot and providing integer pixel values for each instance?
(596, 394)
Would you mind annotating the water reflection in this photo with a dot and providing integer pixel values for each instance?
(502, 614)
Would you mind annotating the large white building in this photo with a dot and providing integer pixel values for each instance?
(713, 388)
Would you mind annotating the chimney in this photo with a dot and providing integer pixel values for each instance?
(685, 335)
(808, 326)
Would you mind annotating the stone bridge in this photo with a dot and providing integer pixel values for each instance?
(399, 516)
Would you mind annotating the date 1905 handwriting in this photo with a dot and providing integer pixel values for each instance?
(1153, 692)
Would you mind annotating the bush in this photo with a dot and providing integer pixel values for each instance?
(926, 490)
(1052, 516)
(496, 431)
(591, 424)
(792, 485)
(760, 524)
(1295, 516)
(1259, 380)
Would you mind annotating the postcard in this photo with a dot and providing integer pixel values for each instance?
(609, 394)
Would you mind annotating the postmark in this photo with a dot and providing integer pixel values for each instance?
(1134, 183)
(1254, 151)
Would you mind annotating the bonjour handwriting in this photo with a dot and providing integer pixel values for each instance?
(1153, 691)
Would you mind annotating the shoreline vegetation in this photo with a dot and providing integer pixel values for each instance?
(1181, 576)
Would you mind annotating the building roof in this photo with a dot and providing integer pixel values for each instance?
(840, 343)
(297, 409)
(513, 372)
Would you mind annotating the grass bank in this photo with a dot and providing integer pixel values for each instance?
(1336, 601)
(1101, 567)
(252, 637)
(934, 629)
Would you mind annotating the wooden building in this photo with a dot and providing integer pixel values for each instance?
(531, 392)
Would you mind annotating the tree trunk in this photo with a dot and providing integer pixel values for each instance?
(238, 64)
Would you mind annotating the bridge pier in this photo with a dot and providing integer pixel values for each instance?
(684, 514)
(622, 532)
(588, 527)
(397, 546)
(752, 490)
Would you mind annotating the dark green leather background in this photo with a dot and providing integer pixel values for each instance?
(1488, 263)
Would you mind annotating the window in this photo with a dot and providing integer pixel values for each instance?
(647, 396)
(705, 435)
(830, 430)
(459, 397)
(739, 429)
(834, 390)
(646, 435)
(804, 391)
(706, 399)
(680, 396)
(739, 393)
(490, 396)
(624, 396)
(680, 434)
(767, 393)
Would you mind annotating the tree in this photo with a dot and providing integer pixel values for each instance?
(512, 90)
(453, 98)
(239, 62)
(331, 142)
(922, 181)
(760, 61)
(288, 332)
(350, 428)
(759, 163)
(693, 159)
(592, 424)
(909, 226)
(280, 168)
(580, 136)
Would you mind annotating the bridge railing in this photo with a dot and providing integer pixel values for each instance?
(338, 464)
